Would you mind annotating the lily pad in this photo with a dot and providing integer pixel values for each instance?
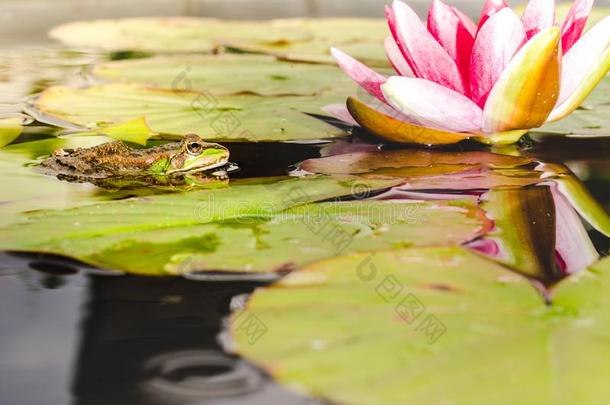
(174, 113)
(248, 227)
(169, 34)
(258, 74)
(376, 329)
(24, 188)
(362, 38)
(584, 122)
(10, 129)
(299, 39)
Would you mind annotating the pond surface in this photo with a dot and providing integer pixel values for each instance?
(73, 333)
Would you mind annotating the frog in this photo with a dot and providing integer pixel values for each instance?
(113, 161)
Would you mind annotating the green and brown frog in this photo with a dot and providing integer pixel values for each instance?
(115, 163)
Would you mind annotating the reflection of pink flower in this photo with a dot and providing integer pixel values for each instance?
(491, 82)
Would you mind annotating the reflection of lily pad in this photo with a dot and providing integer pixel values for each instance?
(173, 113)
(300, 39)
(365, 162)
(431, 170)
(258, 74)
(376, 329)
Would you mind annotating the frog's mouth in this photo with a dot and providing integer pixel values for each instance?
(202, 166)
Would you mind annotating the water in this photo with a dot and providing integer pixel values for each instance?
(71, 334)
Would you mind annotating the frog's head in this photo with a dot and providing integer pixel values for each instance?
(197, 155)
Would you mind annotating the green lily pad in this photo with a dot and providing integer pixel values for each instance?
(434, 325)
(72, 231)
(299, 39)
(10, 129)
(247, 227)
(173, 113)
(258, 74)
(25, 188)
(583, 122)
(362, 38)
(170, 34)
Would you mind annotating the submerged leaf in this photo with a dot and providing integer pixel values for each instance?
(377, 328)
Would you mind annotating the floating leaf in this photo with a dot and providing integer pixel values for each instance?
(170, 34)
(244, 227)
(173, 113)
(580, 123)
(258, 74)
(360, 37)
(10, 129)
(286, 240)
(376, 329)
(134, 131)
(298, 39)
(25, 187)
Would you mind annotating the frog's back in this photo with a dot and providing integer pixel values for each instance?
(108, 159)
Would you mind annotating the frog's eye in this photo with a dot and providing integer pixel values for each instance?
(194, 148)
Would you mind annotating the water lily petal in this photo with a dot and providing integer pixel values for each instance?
(527, 89)
(490, 8)
(431, 104)
(394, 55)
(340, 112)
(466, 21)
(574, 23)
(366, 77)
(537, 16)
(427, 58)
(496, 44)
(585, 64)
(388, 126)
(452, 33)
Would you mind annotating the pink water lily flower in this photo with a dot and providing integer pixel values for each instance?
(491, 82)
